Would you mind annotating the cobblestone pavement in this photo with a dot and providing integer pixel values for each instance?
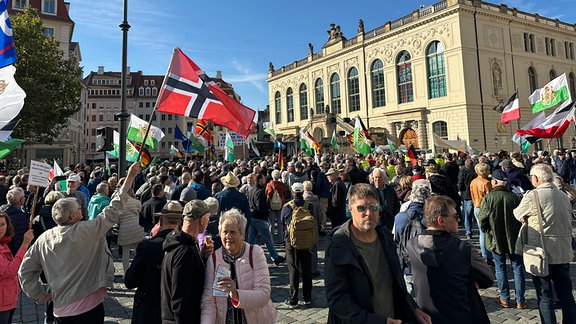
(118, 305)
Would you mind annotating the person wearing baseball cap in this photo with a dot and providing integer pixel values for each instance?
(144, 271)
(73, 184)
(181, 292)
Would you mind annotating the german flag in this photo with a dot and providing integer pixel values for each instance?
(203, 130)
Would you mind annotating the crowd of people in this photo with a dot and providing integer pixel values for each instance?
(188, 234)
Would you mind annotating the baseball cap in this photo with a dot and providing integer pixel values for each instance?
(195, 209)
(73, 177)
(499, 175)
(297, 187)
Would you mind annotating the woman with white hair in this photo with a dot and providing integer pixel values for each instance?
(237, 283)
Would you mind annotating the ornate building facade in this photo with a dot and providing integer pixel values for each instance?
(441, 69)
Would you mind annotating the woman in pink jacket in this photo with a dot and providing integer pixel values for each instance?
(9, 265)
(237, 286)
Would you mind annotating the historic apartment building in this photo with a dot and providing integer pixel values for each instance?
(69, 147)
(440, 69)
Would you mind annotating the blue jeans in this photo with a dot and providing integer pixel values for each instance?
(502, 276)
(260, 226)
(559, 277)
(482, 237)
(467, 214)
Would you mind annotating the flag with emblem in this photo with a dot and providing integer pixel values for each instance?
(7, 49)
(11, 95)
(361, 141)
(553, 93)
(203, 130)
(183, 138)
(269, 128)
(9, 146)
(131, 151)
(555, 124)
(175, 152)
(229, 146)
(305, 147)
(334, 141)
(188, 91)
(137, 130)
(392, 145)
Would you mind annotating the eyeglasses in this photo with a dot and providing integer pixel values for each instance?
(364, 208)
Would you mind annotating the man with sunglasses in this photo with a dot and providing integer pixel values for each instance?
(364, 282)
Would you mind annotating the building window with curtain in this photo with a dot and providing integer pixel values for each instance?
(440, 128)
(436, 70)
(319, 96)
(290, 104)
(353, 90)
(533, 79)
(404, 70)
(335, 94)
(278, 108)
(303, 102)
(377, 84)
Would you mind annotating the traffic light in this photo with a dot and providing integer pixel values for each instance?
(104, 139)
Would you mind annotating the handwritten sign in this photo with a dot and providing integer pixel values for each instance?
(39, 174)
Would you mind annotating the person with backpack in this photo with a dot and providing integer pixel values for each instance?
(409, 223)
(300, 236)
(276, 193)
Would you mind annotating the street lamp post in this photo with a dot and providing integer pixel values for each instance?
(123, 115)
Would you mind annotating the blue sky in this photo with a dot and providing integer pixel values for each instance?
(238, 38)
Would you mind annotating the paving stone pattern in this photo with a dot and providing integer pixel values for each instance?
(118, 305)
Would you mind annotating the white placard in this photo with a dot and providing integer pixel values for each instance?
(39, 174)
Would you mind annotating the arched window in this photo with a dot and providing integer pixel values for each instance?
(278, 108)
(404, 70)
(148, 91)
(319, 96)
(141, 91)
(440, 128)
(533, 79)
(377, 83)
(572, 85)
(154, 91)
(436, 70)
(552, 74)
(290, 104)
(335, 94)
(303, 102)
(353, 90)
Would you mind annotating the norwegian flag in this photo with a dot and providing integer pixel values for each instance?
(203, 130)
(188, 91)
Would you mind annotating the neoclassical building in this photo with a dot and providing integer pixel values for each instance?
(441, 69)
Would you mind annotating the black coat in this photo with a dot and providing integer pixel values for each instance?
(149, 208)
(144, 275)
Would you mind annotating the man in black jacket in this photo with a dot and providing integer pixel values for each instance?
(388, 199)
(182, 278)
(259, 223)
(337, 201)
(151, 207)
(467, 174)
(145, 270)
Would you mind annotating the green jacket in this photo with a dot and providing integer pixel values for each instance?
(497, 220)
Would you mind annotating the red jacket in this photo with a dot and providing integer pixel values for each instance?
(275, 185)
(9, 287)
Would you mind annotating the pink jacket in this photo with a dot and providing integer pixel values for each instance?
(253, 289)
(9, 287)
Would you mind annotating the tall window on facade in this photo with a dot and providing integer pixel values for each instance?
(19, 4)
(533, 79)
(436, 70)
(278, 107)
(147, 91)
(496, 78)
(154, 91)
(290, 104)
(377, 83)
(529, 42)
(550, 46)
(319, 96)
(49, 7)
(335, 94)
(440, 128)
(552, 75)
(572, 84)
(353, 90)
(404, 70)
(140, 91)
(303, 102)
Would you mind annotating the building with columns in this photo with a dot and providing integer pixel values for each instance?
(440, 69)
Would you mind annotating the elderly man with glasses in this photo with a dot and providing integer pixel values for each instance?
(364, 282)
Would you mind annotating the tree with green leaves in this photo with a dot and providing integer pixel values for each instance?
(52, 83)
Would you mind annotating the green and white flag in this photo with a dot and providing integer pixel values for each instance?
(393, 146)
(269, 128)
(252, 144)
(131, 151)
(334, 141)
(137, 130)
(361, 143)
(305, 144)
(553, 93)
(229, 148)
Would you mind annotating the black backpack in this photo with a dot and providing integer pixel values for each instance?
(412, 229)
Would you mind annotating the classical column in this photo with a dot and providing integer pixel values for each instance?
(420, 129)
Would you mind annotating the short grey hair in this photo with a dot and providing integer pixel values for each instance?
(276, 174)
(62, 210)
(235, 216)
(14, 195)
(52, 197)
(213, 205)
(102, 186)
(543, 172)
(384, 172)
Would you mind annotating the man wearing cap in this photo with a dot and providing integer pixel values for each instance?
(144, 272)
(515, 178)
(182, 278)
(497, 220)
(337, 203)
(72, 184)
(230, 197)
